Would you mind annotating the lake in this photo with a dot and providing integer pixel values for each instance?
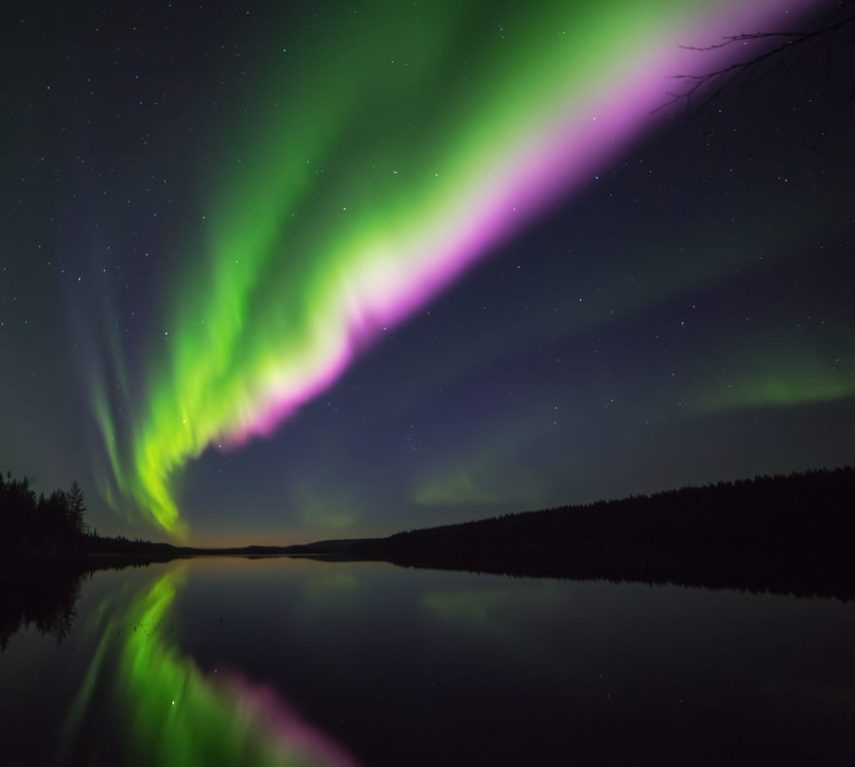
(224, 661)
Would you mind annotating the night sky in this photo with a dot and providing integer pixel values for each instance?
(274, 274)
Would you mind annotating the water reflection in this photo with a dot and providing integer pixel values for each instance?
(173, 713)
(422, 667)
(43, 596)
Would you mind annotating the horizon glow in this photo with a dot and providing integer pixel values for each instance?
(339, 223)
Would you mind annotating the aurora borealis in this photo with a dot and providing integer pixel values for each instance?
(443, 257)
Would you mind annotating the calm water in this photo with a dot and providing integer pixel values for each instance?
(230, 661)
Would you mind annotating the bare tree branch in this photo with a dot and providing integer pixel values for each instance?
(712, 83)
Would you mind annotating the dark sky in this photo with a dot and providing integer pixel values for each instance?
(680, 313)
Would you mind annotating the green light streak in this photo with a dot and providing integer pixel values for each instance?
(485, 468)
(779, 379)
(177, 716)
(388, 151)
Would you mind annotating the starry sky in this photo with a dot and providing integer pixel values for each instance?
(278, 272)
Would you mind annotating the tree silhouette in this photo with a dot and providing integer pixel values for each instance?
(789, 534)
(76, 506)
(773, 51)
(40, 525)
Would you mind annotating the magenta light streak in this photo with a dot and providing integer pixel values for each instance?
(262, 704)
(559, 157)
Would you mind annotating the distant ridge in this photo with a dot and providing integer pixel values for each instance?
(784, 533)
(790, 534)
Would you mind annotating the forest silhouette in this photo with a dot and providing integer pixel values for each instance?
(787, 534)
(52, 527)
(37, 524)
(46, 551)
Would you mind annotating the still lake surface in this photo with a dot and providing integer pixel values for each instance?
(277, 661)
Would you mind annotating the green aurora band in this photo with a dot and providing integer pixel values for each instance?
(801, 374)
(392, 149)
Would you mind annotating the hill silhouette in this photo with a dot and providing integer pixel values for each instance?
(787, 534)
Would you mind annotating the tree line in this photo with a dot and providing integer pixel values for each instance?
(50, 524)
(790, 534)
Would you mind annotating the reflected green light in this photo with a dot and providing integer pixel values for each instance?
(176, 715)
